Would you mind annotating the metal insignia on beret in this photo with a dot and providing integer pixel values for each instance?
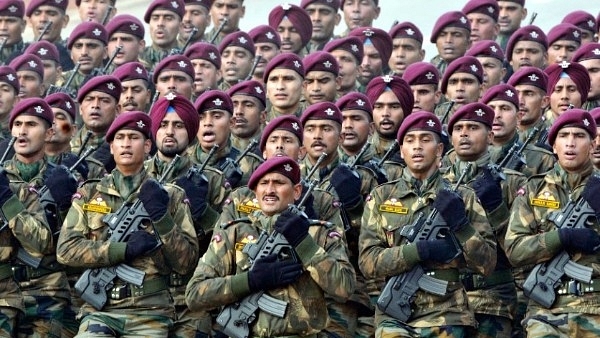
(286, 7)
(431, 123)
(509, 93)
(474, 68)
(576, 34)
(170, 96)
(491, 9)
(141, 124)
(174, 4)
(110, 86)
(182, 64)
(463, 19)
(10, 77)
(387, 79)
(297, 64)
(590, 23)
(409, 31)
(479, 112)
(533, 77)
(212, 55)
(586, 122)
(218, 102)
(134, 27)
(258, 89)
(58, 1)
(295, 125)
(329, 111)
(564, 64)
(534, 34)
(32, 64)
(368, 32)
(429, 76)
(360, 102)
(39, 109)
(138, 70)
(68, 104)
(354, 48)
(270, 35)
(12, 9)
(242, 39)
(493, 48)
(327, 64)
(596, 51)
(287, 167)
(43, 51)
(96, 32)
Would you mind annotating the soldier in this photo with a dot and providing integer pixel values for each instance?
(359, 13)
(423, 79)
(511, 14)
(462, 83)
(563, 40)
(483, 18)
(534, 238)
(568, 87)
(237, 53)
(128, 32)
(48, 54)
(595, 113)
(377, 49)
(147, 309)
(41, 278)
(164, 18)
(322, 77)
(528, 46)
(294, 26)
(249, 113)
(322, 265)
(135, 84)
(283, 79)
(451, 36)
(324, 17)
(12, 26)
(96, 11)
(225, 15)
(348, 53)
(585, 22)
(30, 73)
(589, 57)
(196, 15)
(206, 61)
(268, 45)
(407, 47)
(9, 95)
(491, 57)
(385, 252)
(174, 74)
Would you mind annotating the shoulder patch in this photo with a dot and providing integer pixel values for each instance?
(521, 191)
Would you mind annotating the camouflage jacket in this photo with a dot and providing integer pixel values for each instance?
(152, 56)
(542, 135)
(391, 168)
(441, 109)
(272, 112)
(327, 271)
(75, 84)
(537, 160)
(242, 143)
(591, 104)
(385, 253)
(96, 168)
(10, 51)
(440, 64)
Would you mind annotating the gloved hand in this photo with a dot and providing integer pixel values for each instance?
(437, 250)
(268, 273)
(103, 155)
(62, 185)
(591, 193)
(139, 243)
(346, 183)
(5, 192)
(379, 172)
(68, 159)
(488, 190)
(452, 208)
(309, 210)
(155, 199)
(293, 227)
(585, 240)
(196, 193)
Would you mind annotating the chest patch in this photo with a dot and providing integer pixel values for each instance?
(98, 205)
(393, 206)
(545, 199)
(248, 207)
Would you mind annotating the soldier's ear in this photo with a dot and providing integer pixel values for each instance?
(297, 191)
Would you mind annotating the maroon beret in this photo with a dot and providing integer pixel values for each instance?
(14, 8)
(28, 62)
(530, 76)
(9, 76)
(587, 52)
(335, 4)
(596, 115)
(421, 73)
(204, 51)
(205, 3)
(126, 23)
(526, 33)
(297, 16)
(501, 92)
(88, 30)
(175, 6)
(420, 120)
(376, 2)
(350, 44)
(355, 101)
(564, 31)
(573, 118)
(131, 71)
(177, 104)
(378, 37)
(239, 39)
(265, 34)
(321, 61)
(487, 7)
(575, 71)
(520, 2)
(45, 50)
(406, 30)
(250, 88)
(475, 111)
(286, 61)
(401, 89)
(64, 102)
(283, 122)
(34, 4)
(279, 164)
(135, 120)
(581, 19)
(214, 99)
(464, 64)
(322, 111)
(449, 19)
(33, 106)
(107, 84)
(486, 48)
(174, 62)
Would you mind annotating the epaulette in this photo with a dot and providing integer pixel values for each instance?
(533, 147)
(224, 226)
(508, 171)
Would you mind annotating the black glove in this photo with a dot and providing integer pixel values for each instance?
(292, 226)
(488, 190)
(62, 185)
(585, 240)
(437, 250)
(379, 172)
(5, 192)
(139, 243)
(68, 159)
(268, 273)
(103, 155)
(155, 199)
(309, 210)
(196, 193)
(346, 183)
(452, 208)
(591, 193)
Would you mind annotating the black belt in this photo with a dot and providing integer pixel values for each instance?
(474, 281)
(130, 290)
(25, 273)
(449, 275)
(176, 279)
(573, 287)
(5, 271)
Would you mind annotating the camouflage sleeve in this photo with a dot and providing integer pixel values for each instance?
(229, 211)
(29, 227)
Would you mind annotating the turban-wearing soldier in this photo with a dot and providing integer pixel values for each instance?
(568, 87)
(294, 26)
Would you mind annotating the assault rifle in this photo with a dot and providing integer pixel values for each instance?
(545, 277)
(254, 65)
(65, 87)
(3, 219)
(129, 218)
(400, 291)
(177, 51)
(104, 70)
(514, 159)
(218, 31)
(232, 167)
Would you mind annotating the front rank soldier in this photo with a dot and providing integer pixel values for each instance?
(393, 208)
(294, 27)
(84, 242)
(12, 26)
(534, 238)
(226, 275)
(164, 19)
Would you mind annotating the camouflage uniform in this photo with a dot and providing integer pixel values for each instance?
(327, 271)
(389, 208)
(440, 111)
(440, 64)
(45, 289)
(531, 239)
(242, 143)
(541, 137)
(10, 51)
(96, 168)
(152, 56)
(381, 145)
(76, 83)
(590, 104)
(391, 168)
(537, 160)
(83, 244)
(272, 112)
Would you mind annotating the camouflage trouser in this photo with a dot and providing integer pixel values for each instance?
(342, 320)
(365, 327)
(104, 324)
(565, 325)
(70, 322)
(43, 317)
(8, 321)
(388, 331)
(493, 326)
(517, 330)
(191, 324)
